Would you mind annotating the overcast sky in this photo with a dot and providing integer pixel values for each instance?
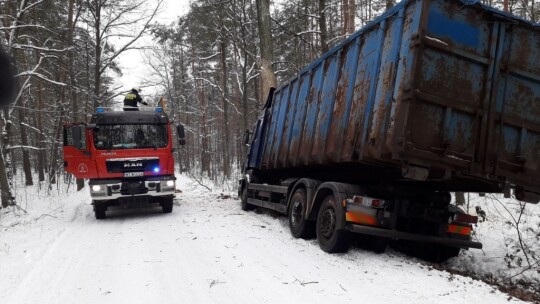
(132, 63)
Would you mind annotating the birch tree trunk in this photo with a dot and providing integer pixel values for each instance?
(6, 196)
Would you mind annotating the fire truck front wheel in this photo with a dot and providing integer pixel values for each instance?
(167, 204)
(99, 210)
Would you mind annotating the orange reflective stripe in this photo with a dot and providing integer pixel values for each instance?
(459, 229)
(360, 218)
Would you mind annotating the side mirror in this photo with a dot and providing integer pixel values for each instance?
(246, 138)
(181, 135)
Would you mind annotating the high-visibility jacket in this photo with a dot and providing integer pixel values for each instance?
(132, 98)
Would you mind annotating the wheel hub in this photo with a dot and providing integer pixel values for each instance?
(296, 212)
(328, 222)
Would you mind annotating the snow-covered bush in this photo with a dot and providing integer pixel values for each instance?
(510, 232)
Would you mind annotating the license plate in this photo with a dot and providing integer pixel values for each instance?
(133, 174)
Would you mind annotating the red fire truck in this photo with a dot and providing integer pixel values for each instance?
(126, 155)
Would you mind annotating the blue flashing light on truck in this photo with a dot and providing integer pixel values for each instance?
(432, 97)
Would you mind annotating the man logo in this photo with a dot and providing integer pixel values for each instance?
(83, 168)
(133, 165)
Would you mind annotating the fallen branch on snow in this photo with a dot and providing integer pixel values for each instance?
(304, 283)
(214, 282)
(198, 181)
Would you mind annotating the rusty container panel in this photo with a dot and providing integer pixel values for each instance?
(326, 105)
(514, 138)
(392, 31)
(284, 104)
(286, 137)
(298, 120)
(403, 80)
(364, 83)
(270, 135)
(450, 86)
(312, 108)
(342, 102)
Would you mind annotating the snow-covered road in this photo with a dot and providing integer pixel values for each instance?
(206, 251)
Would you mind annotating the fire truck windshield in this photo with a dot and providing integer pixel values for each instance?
(112, 137)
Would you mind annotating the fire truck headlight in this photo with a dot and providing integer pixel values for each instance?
(170, 183)
(156, 170)
(96, 188)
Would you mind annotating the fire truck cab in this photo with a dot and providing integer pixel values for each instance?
(127, 157)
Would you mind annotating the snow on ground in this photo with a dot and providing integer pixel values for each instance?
(206, 251)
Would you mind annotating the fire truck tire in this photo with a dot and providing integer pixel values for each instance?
(167, 204)
(298, 224)
(100, 210)
(330, 239)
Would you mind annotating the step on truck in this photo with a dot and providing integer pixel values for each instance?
(127, 156)
(432, 97)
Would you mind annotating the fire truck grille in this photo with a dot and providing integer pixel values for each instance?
(132, 165)
(133, 188)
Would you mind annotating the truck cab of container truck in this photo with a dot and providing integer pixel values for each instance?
(127, 157)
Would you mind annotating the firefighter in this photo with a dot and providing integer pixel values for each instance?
(131, 100)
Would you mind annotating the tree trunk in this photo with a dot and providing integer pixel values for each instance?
(6, 174)
(7, 146)
(185, 156)
(54, 149)
(245, 111)
(344, 16)
(74, 100)
(224, 94)
(6, 195)
(41, 136)
(268, 79)
(97, 67)
(322, 26)
(205, 152)
(261, 101)
(348, 14)
(351, 17)
(26, 157)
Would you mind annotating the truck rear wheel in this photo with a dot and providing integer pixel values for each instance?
(100, 210)
(167, 204)
(300, 227)
(331, 239)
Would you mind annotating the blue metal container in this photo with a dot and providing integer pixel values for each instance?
(443, 90)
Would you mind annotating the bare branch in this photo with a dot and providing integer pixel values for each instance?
(128, 45)
(27, 46)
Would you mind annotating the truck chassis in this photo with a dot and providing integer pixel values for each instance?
(422, 221)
